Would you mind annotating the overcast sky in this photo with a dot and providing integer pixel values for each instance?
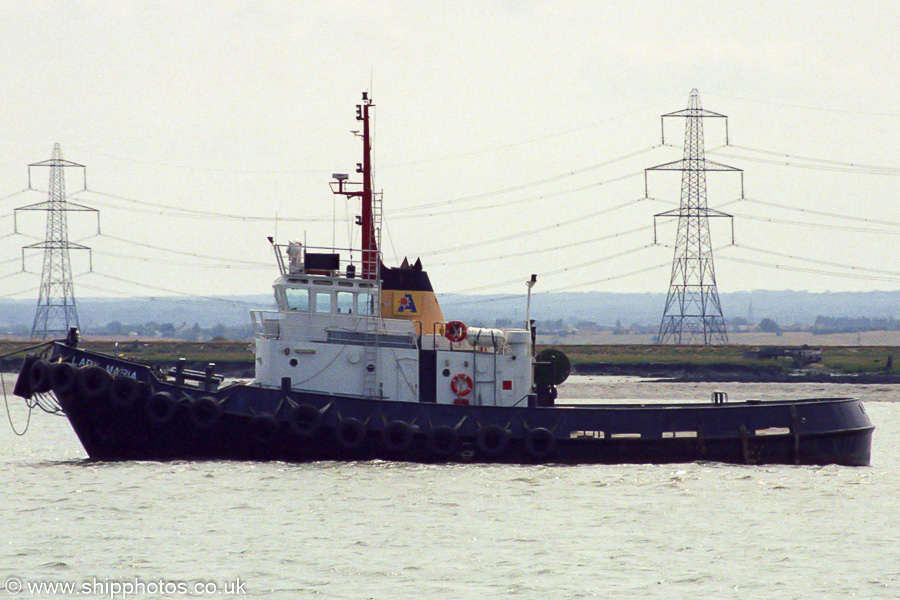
(511, 138)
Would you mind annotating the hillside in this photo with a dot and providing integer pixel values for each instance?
(603, 309)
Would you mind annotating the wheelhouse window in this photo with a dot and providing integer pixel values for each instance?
(365, 304)
(323, 302)
(297, 299)
(344, 302)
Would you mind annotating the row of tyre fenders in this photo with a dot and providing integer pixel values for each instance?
(92, 383)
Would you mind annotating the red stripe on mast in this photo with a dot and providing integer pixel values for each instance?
(366, 196)
(369, 245)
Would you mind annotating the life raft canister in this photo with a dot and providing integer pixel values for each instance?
(461, 384)
(455, 331)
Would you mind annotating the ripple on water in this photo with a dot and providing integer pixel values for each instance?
(386, 530)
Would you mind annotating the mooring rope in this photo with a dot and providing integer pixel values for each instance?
(9, 414)
(51, 407)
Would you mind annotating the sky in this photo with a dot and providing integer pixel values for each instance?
(511, 138)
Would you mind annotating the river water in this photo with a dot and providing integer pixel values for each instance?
(388, 531)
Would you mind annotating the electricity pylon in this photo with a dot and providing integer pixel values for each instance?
(56, 311)
(692, 313)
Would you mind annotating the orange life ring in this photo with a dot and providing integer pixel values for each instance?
(456, 331)
(461, 384)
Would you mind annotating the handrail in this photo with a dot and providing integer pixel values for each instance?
(28, 349)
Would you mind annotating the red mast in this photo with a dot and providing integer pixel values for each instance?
(369, 246)
(367, 219)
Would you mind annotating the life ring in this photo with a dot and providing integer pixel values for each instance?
(540, 443)
(305, 420)
(39, 377)
(461, 384)
(124, 391)
(63, 378)
(492, 440)
(443, 440)
(160, 408)
(455, 331)
(397, 436)
(350, 433)
(205, 412)
(93, 382)
(263, 429)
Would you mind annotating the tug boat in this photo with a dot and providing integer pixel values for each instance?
(359, 363)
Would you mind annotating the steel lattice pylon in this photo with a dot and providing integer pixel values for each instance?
(56, 311)
(693, 314)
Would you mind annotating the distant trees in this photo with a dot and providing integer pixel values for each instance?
(769, 326)
(150, 330)
(826, 325)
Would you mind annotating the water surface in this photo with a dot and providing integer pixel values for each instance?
(391, 530)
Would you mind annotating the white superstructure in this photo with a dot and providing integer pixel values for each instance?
(329, 336)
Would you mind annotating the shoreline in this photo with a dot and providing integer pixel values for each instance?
(730, 363)
(729, 374)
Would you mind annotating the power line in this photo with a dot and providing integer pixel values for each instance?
(29, 291)
(610, 278)
(530, 252)
(206, 214)
(818, 261)
(850, 165)
(522, 186)
(181, 252)
(13, 195)
(820, 225)
(8, 275)
(546, 196)
(823, 213)
(186, 300)
(260, 171)
(808, 270)
(171, 291)
(805, 107)
(525, 142)
(822, 167)
(526, 233)
(559, 271)
(180, 264)
(194, 167)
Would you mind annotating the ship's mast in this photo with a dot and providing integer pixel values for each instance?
(369, 246)
(367, 218)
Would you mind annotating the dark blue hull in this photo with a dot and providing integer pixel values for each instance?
(151, 419)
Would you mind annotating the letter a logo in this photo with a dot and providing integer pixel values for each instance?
(407, 304)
